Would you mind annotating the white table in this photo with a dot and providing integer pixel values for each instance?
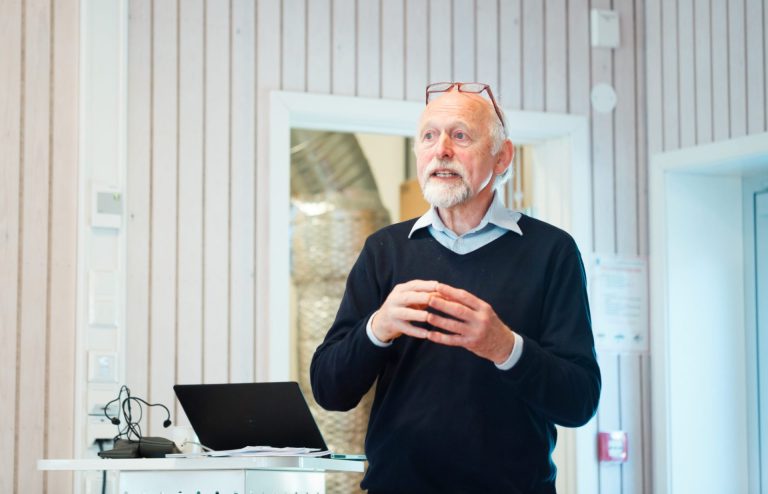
(254, 475)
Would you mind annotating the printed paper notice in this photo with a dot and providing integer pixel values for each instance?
(618, 299)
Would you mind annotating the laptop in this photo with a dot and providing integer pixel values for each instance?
(233, 416)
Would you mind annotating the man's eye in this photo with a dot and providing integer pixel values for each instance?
(460, 135)
(428, 135)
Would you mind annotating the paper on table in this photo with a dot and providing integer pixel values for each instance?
(254, 451)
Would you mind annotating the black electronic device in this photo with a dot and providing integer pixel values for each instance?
(233, 416)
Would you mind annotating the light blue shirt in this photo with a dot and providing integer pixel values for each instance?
(497, 221)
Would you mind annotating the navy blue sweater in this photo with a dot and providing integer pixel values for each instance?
(444, 419)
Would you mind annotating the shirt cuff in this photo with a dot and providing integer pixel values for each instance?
(385, 344)
(517, 351)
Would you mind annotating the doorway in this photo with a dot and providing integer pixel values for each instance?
(705, 411)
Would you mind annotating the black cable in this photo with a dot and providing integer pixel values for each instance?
(100, 444)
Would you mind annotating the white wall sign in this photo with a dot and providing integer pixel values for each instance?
(618, 298)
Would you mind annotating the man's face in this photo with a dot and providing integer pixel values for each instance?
(453, 150)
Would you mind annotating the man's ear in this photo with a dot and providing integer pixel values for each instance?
(504, 158)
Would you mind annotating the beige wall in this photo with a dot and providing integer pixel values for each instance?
(38, 232)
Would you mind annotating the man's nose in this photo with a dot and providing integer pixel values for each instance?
(444, 146)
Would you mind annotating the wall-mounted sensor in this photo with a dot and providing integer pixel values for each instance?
(605, 28)
(107, 211)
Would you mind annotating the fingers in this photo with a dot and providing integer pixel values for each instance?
(446, 339)
(459, 295)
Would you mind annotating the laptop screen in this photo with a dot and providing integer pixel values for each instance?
(233, 416)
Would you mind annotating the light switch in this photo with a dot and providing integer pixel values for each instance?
(102, 367)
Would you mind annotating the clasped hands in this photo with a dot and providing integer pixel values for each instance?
(476, 326)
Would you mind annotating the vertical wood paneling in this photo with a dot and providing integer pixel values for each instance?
(654, 77)
(603, 142)
(440, 54)
(578, 57)
(243, 184)
(737, 84)
(10, 180)
(685, 22)
(368, 53)
(138, 292)
(344, 47)
(670, 97)
(533, 54)
(487, 50)
(510, 54)
(294, 47)
(721, 112)
(267, 79)
(463, 40)
(63, 254)
(392, 50)
(755, 73)
(642, 132)
(417, 49)
(163, 213)
(189, 345)
(34, 245)
(555, 53)
(609, 417)
(625, 123)
(216, 232)
(319, 46)
(703, 75)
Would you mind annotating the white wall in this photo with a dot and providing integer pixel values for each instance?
(707, 341)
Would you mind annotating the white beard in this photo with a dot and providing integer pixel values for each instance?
(445, 195)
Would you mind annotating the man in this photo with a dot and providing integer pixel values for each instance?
(472, 321)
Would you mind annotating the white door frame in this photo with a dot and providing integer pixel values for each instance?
(732, 159)
(349, 114)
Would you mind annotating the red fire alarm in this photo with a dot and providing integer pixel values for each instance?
(612, 446)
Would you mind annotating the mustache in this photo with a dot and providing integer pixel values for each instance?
(447, 165)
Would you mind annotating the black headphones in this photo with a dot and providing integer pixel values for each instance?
(132, 427)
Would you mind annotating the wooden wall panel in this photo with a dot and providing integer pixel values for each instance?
(711, 57)
(555, 57)
(294, 45)
(34, 246)
(344, 47)
(164, 179)
(319, 46)
(703, 74)
(463, 38)
(10, 184)
(737, 68)
(603, 144)
(138, 294)
(487, 50)
(511, 54)
(216, 192)
(392, 50)
(440, 41)
(417, 52)
(755, 69)
(625, 125)
(243, 151)
(38, 217)
(686, 72)
(368, 49)
(60, 401)
(189, 335)
(533, 43)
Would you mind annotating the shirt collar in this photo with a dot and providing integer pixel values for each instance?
(497, 214)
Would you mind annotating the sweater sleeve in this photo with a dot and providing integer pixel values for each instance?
(347, 363)
(557, 374)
